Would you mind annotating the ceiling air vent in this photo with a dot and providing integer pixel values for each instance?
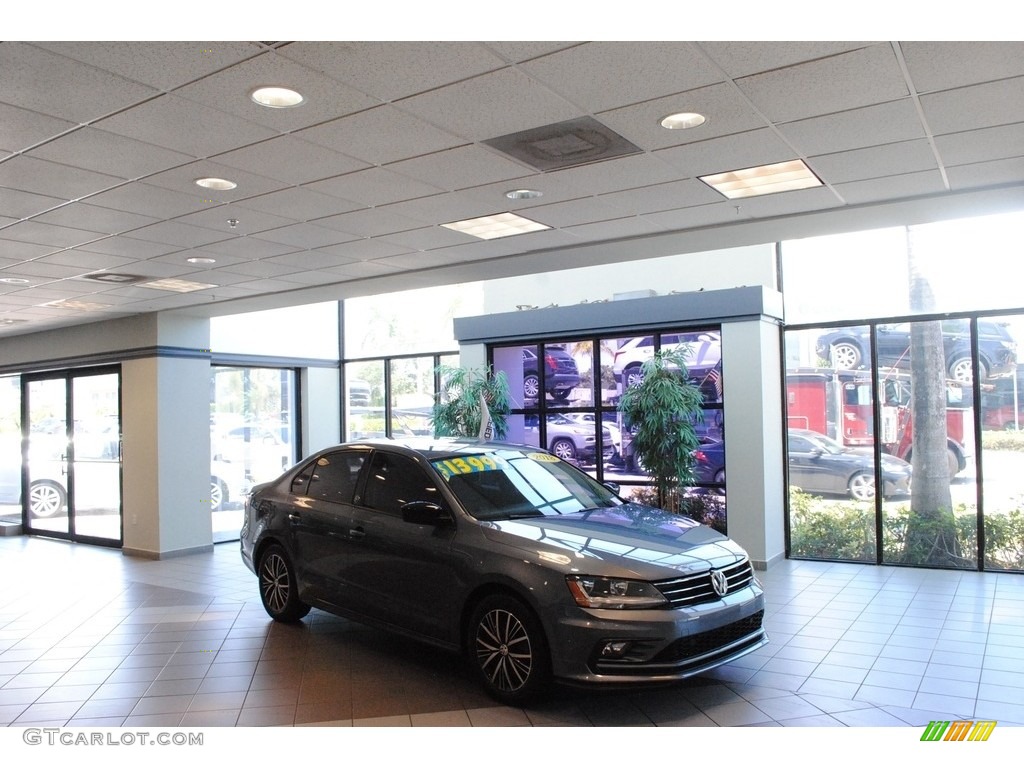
(564, 145)
(115, 277)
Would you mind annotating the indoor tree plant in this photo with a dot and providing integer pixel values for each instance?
(660, 410)
(459, 406)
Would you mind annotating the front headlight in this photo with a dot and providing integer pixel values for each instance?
(603, 592)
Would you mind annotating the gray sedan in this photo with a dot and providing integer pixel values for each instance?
(507, 554)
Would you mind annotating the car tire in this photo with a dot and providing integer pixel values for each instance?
(218, 494)
(634, 374)
(561, 394)
(279, 587)
(564, 449)
(845, 355)
(508, 651)
(720, 476)
(862, 486)
(531, 386)
(46, 498)
(961, 372)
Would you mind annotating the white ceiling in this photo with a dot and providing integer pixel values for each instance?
(100, 144)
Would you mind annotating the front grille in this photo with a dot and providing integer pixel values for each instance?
(707, 642)
(698, 589)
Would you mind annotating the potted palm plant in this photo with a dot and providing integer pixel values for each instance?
(469, 400)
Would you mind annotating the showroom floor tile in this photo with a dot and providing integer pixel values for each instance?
(89, 637)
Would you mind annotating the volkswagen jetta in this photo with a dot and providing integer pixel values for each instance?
(517, 559)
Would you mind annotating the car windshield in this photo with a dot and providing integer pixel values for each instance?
(505, 484)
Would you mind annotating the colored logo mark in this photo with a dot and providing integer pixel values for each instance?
(958, 730)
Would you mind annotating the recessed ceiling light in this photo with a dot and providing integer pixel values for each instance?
(178, 286)
(523, 194)
(276, 97)
(200, 260)
(763, 180)
(212, 182)
(682, 120)
(85, 306)
(13, 280)
(115, 277)
(498, 225)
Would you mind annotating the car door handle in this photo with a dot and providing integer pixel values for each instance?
(356, 533)
(294, 518)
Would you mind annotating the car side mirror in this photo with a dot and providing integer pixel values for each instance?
(425, 513)
(613, 487)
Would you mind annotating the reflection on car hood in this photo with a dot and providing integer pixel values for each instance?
(638, 540)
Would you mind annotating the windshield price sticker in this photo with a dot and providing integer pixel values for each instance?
(542, 457)
(464, 465)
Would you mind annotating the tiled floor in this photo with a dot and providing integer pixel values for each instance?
(89, 637)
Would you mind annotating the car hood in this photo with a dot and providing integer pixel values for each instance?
(629, 540)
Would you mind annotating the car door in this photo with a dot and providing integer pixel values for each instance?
(321, 523)
(405, 573)
(807, 469)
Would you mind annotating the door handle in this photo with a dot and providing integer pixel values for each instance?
(357, 533)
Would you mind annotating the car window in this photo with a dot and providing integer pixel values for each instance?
(395, 480)
(333, 476)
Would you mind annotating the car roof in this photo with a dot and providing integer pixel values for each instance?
(434, 447)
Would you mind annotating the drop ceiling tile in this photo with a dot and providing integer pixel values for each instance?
(88, 262)
(42, 177)
(1004, 141)
(104, 152)
(381, 135)
(1007, 171)
(249, 220)
(939, 66)
(362, 269)
(33, 231)
(742, 58)
(147, 200)
(306, 260)
(604, 75)
(95, 218)
(369, 222)
(171, 122)
(371, 66)
(865, 127)
(291, 160)
(427, 238)
(248, 248)
(858, 78)
(179, 234)
(491, 105)
(161, 64)
(614, 229)
(782, 203)
(573, 212)
(460, 168)
(129, 247)
(182, 179)
(891, 188)
(229, 90)
(620, 173)
(18, 251)
(696, 217)
(262, 268)
(20, 205)
(728, 153)
(41, 269)
(976, 106)
(366, 249)
(662, 197)
(20, 128)
(874, 162)
(374, 186)
(304, 236)
(723, 106)
(301, 204)
(456, 206)
(514, 51)
(44, 82)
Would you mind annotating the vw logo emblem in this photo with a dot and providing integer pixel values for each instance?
(719, 583)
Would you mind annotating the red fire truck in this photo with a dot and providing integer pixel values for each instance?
(839, 403)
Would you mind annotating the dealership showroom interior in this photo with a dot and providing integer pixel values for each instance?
(218, 259)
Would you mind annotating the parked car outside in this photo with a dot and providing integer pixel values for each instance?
(561, 374)
(709, 462)
(818, 464)
(229, 483)
(520, 561)
(571, 440)
(703, 360)
(848, 348)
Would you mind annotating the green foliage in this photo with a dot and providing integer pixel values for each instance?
(662, 409)
(846, 531)
(457, 411)
(1000, 440)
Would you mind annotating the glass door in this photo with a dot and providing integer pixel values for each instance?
(72, 456)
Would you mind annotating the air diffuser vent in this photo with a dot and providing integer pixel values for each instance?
(564, 145)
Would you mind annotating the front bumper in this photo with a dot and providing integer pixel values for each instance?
(653, 646)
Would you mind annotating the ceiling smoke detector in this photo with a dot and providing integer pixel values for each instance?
(564, 145)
